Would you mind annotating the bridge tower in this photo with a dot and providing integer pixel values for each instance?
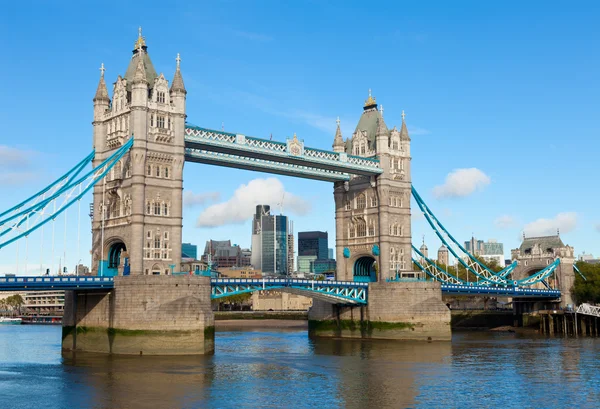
(373, 229)
(537, 253)
(137, 211)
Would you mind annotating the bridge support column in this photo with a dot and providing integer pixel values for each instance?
(149, 315)
(401, 311)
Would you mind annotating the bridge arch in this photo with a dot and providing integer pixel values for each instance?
(364, 269)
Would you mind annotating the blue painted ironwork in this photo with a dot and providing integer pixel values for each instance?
(375, 250)
(55, 283)
(289, 158)
(346, 252)
(38, 210)
(515, 292)
(433, 270)
(364, 270)
(474, 266)
(579, 272)
(338, 292)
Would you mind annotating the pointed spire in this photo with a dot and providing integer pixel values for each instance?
(101, 91)
(338, 140)
(404, 129)
(370, 102)
(140, 43)
(177, 83)
(140, 72)
(381, 127)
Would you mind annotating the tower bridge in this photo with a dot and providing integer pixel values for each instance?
(136, 303)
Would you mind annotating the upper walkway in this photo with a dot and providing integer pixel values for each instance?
(290, 158)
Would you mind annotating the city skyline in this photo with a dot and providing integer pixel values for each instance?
(482, 128)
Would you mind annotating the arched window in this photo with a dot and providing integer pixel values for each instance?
(362, 148)
(361, 229)
(361, 202)
(166, 172)
(157, 209)
(401, 231)
(149, 170)
(152, 120)
(395, 145)
(148, 210)
(348, 206)
(157, 242)
(371, 229)
(351, 231)
(395, 230)
(165, 209)
(158, 171)
(373, 201)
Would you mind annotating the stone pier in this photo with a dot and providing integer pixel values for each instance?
(397, 310)
(142, 315)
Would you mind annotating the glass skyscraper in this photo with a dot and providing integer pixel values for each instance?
(274, 244)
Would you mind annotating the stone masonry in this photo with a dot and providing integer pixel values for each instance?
(142, 315)
(398, 310)
(139, 205)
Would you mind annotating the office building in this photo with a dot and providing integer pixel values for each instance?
(272, 246)
(222, 254)
(490, 250)
(305, 263)
(189, 250)
(330, 254)
(313, 243)
(256, 257)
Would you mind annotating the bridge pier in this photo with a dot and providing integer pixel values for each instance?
(396, 310)
(142, 315)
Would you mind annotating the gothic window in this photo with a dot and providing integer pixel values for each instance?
(161, 97)
(149, 170)
(165, 245)
(400, 202)
(362, 149)
(165, 209)
(361, 228)
(158, 171)
(148, 210)
(371, 230)
(373, 201)
(157, 209)
(160, 121)
(169, 123)
(166, 235)
(395, 230)
(401, 231)
(352, 231)
(401, 164)
(148, 245)
(395, 145)
(147, 256)
(165, 256)
(166, 172)
(149, 232)
(157, 254)
(348, 207)
(152, 120)
(361, 202)
(391, 230)
(391, 200)
(157, 242)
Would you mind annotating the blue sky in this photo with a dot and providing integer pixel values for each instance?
(506, 88)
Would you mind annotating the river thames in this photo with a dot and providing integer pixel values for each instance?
(275, 368)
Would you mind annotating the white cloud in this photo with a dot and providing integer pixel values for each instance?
(191, 199)
(565, 222)
(505, 222)
(242, 205)
(462, 182)
(10, 157)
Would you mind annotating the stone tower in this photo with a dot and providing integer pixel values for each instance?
(136, 225)
(373, 232)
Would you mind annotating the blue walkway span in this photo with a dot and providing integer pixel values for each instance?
(338, 292)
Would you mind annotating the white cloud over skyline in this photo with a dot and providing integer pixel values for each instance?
(461, 183)
(564, 222)
(242, 205)
(505, 222)
(191, 199)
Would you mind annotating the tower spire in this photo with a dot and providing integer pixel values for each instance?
(404, 129)
(370, 102)
(177, 83)
(140, 43)
(101, 91)
(338, 141)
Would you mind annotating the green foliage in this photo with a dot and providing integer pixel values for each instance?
(13, 302)
(587, 291)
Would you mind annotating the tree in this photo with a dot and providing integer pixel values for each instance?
(587, 291)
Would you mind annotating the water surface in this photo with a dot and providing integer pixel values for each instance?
(274, 368)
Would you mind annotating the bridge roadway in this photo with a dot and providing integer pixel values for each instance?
(338, 292)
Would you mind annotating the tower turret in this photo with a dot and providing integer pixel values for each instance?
(382, 134)
(101, 105)
(338, 141)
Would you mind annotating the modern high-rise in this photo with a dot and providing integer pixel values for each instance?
(313, 243)
(256, 258)
(490, 250)
(223, 254)
(272, 247)
(189, 250)
(330, 254)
